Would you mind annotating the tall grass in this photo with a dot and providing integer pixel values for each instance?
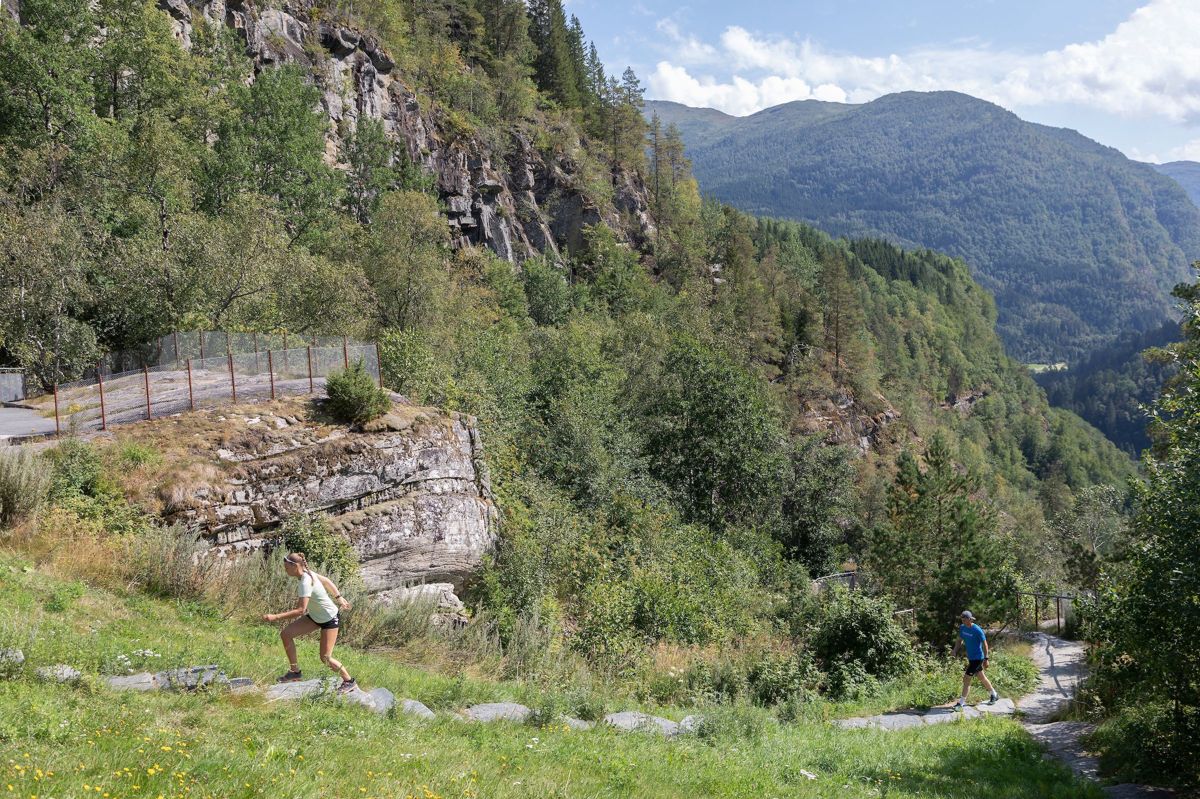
(24, 484)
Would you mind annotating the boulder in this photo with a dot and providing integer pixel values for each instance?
(411, 707)
(298, 690)
(11, 662)
(144, 681)
(382, 700)
(631, 720)
(498, 711)
(578, 724)
(690, 724)
(192, 678)
(60, 673)
(897, 721)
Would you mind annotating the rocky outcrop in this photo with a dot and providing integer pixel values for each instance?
(410, 492)
(843, 421)
(527, 202)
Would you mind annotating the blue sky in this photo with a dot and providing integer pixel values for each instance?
(1125, 72)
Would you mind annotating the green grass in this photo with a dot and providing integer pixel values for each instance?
(54, 740)
(939, 681)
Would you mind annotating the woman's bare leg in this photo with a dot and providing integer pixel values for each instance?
(328, 639)
(289, 634)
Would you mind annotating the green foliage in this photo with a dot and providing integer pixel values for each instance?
(77, 468)
(25, 481)
(547, 292)
(1149, 606)
(853, 633)
(938, 551)
(354, 396)
(322, 547)
(713, 436)
(408, 363)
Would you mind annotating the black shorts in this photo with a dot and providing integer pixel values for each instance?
(332, 624)
(973, 666)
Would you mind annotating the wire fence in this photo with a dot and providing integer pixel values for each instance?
(163, 385)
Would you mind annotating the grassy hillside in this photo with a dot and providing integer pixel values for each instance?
(85, 740)
(1077, 243)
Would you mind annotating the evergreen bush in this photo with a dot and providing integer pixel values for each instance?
(354, 396)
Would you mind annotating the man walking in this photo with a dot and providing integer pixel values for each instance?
(972, 636)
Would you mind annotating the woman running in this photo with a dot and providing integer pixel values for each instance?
(315, 610)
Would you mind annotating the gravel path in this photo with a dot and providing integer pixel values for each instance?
(1063, 666)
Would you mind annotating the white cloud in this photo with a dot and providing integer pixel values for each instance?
(1148, 66)
(1185, 152)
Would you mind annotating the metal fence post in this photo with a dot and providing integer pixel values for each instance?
(378, 364)
(57, 424)
(271, 372)
(1058, 614)
(103, 417)
(232, 380)
(345, 353)
(191, 396)
(257, 366)
(146, 377)
(202, 345)
(310, 380)
(175, 340)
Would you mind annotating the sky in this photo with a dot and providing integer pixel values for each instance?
(1124, 72)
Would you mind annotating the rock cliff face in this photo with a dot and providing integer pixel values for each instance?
(518, 205)
(411, 492)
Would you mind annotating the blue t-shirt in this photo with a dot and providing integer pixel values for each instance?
(973, 637)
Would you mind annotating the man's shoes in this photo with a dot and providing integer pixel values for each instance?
(291, 676)
(994, 698)
(959, 704)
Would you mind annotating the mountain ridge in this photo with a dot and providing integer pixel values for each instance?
(1078, 243)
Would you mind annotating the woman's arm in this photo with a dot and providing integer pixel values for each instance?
(295, 613)
(343, 603)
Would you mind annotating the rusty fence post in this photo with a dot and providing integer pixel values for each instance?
(271, 372)
(257, 365)
(232, 380)
(103, 416)
(285, 353)
(379, 364)
(345, 353)
(202, 345)
(175, 340)
(310, 379)
(57, 424)
(1058, 614)
(146, 377)
(191, 396)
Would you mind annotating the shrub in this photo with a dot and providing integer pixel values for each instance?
(1151, 743)
(76, 469)
(858, 631)
(778, 677)
(24, 484)
(547, 292)
(408, 364)
(354, 396)
(321, 546)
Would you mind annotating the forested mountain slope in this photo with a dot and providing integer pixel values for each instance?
(1078, 243)
(686, 410)
(1186, 174)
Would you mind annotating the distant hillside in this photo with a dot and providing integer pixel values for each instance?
(1078, 243)
(1186, 174)
(1112, 386)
